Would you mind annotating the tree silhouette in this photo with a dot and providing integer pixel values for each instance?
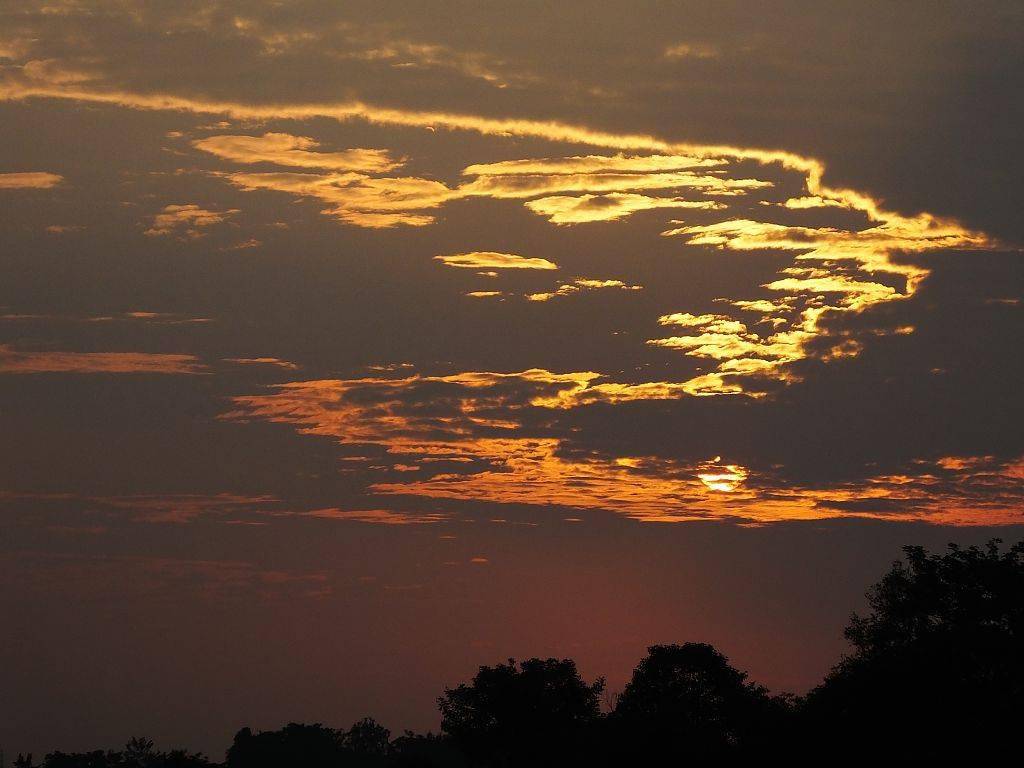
(539, 712)
(686, 701)
(937, 666)
(367, 739)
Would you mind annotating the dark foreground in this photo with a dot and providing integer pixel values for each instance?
(936, 670)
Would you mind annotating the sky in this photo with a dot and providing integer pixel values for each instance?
(347, 347)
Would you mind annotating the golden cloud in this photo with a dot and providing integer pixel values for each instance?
(548, 186)
(582, 284)
(494, 260)
(186, 221)
(295, 151)
(592, 164)
(565, 209)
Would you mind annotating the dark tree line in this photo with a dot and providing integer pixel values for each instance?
(936, 671)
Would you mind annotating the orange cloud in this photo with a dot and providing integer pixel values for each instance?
(262, 361)
(378, 516)
(13, 361)
(471, 444)
(30, 180)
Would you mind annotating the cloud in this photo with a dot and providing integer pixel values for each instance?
(815, 201)
(581, 209)
(185, 508)
(376, 220)
(494, 260)
(858, 293)
(582, 284)
(295, 151)
(149, 318)
(846, 259)
(717, 323)
(592, 164)
(187, 222)
(262, 361)
(15, 361)
(506, 186)
(357, 198)
(497, 438)
(30, 180)
(378, 516)
(692, 51)
(147, 578)
(374, 202)
(834, 272)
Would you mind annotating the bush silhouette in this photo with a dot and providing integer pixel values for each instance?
(138, 753)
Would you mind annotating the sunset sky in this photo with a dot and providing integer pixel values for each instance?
(345, 347)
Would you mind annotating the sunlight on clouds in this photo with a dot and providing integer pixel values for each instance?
(494, 260)
(592, 164)
(30, 180)
(470, 445)
(799, 203)
(581, 284)
(655, 164)
(188, 222)
(296, 152)
(473, 438)
(376, 220)
(856, 293)
(562, 209)
(692, 51)
(724, 478)
(262, 361)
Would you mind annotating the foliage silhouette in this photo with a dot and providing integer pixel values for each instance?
(138, 753)
(540, 712)
(365, 745)
(687, 702)
(937, 666)
(936, 671)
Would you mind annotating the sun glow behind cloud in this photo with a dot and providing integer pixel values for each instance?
(471, 445)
